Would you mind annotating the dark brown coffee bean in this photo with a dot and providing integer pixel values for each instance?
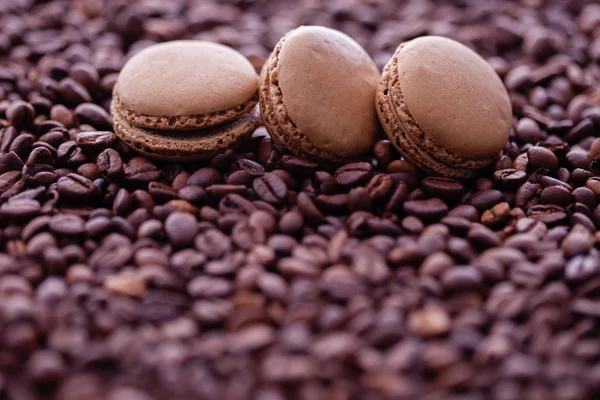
(558, 195)
(253, 168)
(20, 209)
(76, 188)
(21, 145)
(444, 188)
(7, 136)
(70, 155)
(205, 177)
(220, 191)
(213, 243)
(93, 114)
(427, 210)
(181, 228)
(547, 213)
(72, 93)
(581, 130)
(298, 166)
(67, 224)
(270, 188)
(140, 170)
(354, 174)
(308, 209)
(96, 142)
(10, 162)
(359, 199)
(380, 186)
(486, 199)
(383, 152)
(110, 164)
(335, 203)
(541, 157)
(510, 178)
(466, 211)
(20, 114)
(291, 222)
(400, 194)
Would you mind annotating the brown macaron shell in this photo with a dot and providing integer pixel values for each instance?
(317, 92)
(444, 107)
(185, 84)
(186, 146)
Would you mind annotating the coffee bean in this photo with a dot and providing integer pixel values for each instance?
(20, 114)
(76, 188)
(308, 209)
(90, 113)
(335, 203)
(298, 166)
(181, 228)
(67, 224)
(96, 142)
(20, 209)
(444, 188)
(547, 213)
(354, 174)
(110, 164)
(140, 170)
(558, 195)
(205, 177)
(427, 210)
(253, 168)
(270, 188)
(510, 178)
(72, 93)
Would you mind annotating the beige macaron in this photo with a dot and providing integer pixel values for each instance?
(179, 99)
(443, 107)
(317, 92)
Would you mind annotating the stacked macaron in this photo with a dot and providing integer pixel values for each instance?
(185, 100)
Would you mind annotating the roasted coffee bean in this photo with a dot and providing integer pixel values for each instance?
(10, 162)
(427, 210)
(181, 228)
(110, 164)
(299, 166)
(72, 93)
(486, 199)
(270, 188)
(253, 168)
(76, 188)
(205, 177)
(354, 174)
(558, 195)
(96, 116)
(541, 157)
(308, 209)
(20, 114)
(547, 213)
(96, 141)
(444, 188)
(140, 170)
(70, 155)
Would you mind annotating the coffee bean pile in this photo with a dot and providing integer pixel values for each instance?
(267, 276)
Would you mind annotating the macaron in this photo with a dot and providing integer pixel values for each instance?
(185, 99)
(316, 95)
(443, 107)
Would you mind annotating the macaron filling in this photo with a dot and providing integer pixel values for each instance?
(184, 122)
(185, 145)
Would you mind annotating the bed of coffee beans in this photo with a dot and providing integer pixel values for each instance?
(261, 275)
